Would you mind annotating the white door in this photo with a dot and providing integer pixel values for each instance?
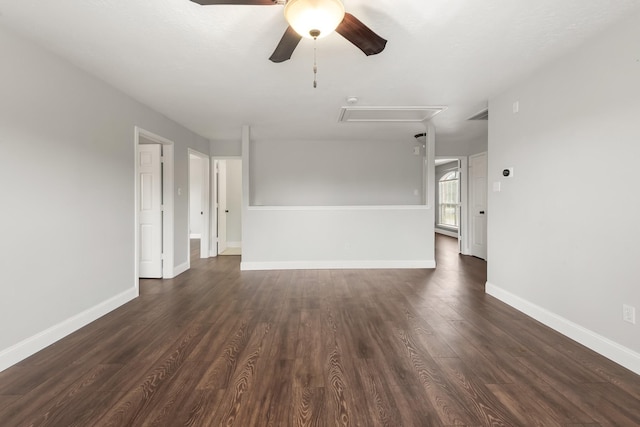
(478, 204)
(195, 197)
(222, 205)
(150, 210)
(199, 221)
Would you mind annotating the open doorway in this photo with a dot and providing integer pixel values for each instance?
(451, 199)
(227, 215)
(199, 223)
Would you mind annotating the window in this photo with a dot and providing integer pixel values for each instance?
(448, 199)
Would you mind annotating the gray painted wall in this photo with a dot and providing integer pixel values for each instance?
(330, 236)
(195, 195)
(335, 173)
(447, 146)
(553, 245)
(67, 177)
(222, 148)
(234, 200)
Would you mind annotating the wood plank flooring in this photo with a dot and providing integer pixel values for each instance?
(220, 347)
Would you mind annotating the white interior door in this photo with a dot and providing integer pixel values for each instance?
(150, 210)
(221, 193)
(199, 209)
(205, 240)
(478, 204)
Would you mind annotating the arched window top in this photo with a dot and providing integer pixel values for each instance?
(450, 176)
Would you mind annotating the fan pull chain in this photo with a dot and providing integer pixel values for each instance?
(315, 34)
(315, 64)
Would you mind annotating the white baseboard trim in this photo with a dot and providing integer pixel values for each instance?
(446, 232)
(179, 269)
(335, 265)
(195, 236)
(601, 345)
(35, 343)
(234, 244)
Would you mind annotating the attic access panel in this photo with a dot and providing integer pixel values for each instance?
(388, 114)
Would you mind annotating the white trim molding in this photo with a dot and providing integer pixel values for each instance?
(179, 269)
(341, 208)
(336, 265)
(601, 345)
(35, 343)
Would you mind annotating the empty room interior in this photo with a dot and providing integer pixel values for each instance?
(319, 213)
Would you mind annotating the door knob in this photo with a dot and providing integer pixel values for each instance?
(226, 211)
(481, 212)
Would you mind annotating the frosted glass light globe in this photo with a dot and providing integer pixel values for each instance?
(308, 16)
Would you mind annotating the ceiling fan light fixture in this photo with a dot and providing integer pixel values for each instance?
(314, 18)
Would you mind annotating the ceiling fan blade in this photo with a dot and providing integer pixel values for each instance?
(352, 29)
(238, 2)
(287, 45)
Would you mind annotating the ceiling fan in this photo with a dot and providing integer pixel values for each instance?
(314, 19)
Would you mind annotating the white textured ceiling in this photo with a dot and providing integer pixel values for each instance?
(207, 67)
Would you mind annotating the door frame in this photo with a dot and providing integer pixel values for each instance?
(205, 236)
(167, 202)
(463, 229)
(213, 250)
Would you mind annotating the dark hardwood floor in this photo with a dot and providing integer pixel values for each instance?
(319, 348)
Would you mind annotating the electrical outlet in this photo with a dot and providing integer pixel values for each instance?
(629, 313)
